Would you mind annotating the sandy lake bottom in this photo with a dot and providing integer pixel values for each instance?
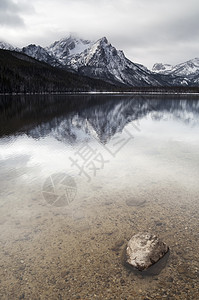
(73, 247)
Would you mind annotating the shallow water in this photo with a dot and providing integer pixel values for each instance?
(79, 175)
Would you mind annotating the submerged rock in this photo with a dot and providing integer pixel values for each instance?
(145, 249)
(135, 202)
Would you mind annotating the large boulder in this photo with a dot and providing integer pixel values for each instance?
(144, 250)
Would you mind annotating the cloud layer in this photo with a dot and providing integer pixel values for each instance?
(11, 13)
(148, 31)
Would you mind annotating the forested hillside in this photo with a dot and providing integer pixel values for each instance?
(20, 73)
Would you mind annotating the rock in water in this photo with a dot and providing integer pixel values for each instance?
(145, 249)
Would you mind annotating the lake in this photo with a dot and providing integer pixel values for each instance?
(81, 174)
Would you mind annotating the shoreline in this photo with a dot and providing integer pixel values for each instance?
(102, 93)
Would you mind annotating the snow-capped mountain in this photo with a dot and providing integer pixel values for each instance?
(40, 54)
(190, 67)
(101, 60)
(186, 73)
(162, 68)
(64, 49)
(94, 59)
(7, 46)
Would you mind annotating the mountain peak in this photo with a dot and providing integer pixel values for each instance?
(161, 68)
(68, 47)
(194, 61)
(40, 54)
(102, 60)
(32, 46)
(185, 69)
(75, 37)
(104, 40)
(6, 46)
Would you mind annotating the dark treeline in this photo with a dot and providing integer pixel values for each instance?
(165, 89)
(20, 73)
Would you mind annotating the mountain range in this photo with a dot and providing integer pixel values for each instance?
(100, 60)
(94, 59)
(188, 70)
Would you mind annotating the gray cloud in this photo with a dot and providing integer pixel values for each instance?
(10, 20)
(11, 13)
(8, 5)
(147, 31)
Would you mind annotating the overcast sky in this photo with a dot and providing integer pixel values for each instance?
(148, 31)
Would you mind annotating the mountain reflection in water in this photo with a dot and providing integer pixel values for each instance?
(69, 118)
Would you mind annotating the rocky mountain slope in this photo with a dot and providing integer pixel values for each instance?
(186, 73)
(6, 46)
(41, 54)
(20, 73)
(99, 59)
(94, 59)
(67, 48)
(190, 67)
